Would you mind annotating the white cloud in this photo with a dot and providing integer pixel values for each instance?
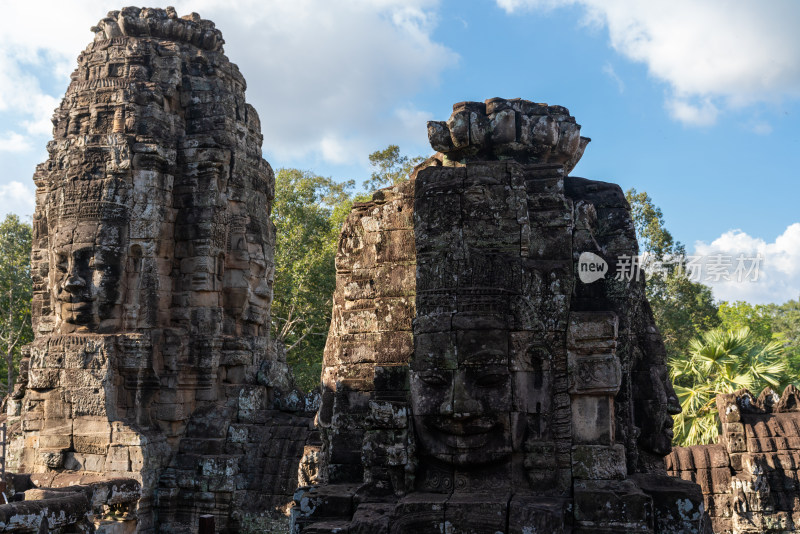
(701, 114)
(761, 128)
(778, 274)
(332, 70)
(16, 197)
(319, 73)
(13, 142)
(609, 71)
(714, 54)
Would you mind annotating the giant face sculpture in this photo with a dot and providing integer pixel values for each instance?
(249, 275)
(461, 395)
(259, 291)
(86, 267)
(656, 403)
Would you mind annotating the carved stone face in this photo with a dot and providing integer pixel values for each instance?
(259, 293)
(656, 403)
(461, 396)
(86, 275)
(247, 294)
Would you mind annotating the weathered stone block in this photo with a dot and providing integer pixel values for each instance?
(594, 374)
(599, 462)
(419, 512)
(593, 419)
(468, 513)
(538, 515)
(612, 504)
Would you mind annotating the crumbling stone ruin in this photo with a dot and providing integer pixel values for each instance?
(472, 382)
(69, 502)
(749, 478)
(153, 266)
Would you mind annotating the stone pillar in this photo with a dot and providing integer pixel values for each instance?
(153, 267)
(530, 399)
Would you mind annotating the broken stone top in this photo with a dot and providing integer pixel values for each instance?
(767, 402)
(159, 23)
(498, 129)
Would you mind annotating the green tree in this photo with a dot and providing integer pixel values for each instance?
(16, 292)
(653, 236)
(308, 212)
(389, 167)
(721, 361)
(683, 309)
(786, 329)
(757, 317)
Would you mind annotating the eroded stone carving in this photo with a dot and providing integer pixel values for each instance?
(748, 478)
(153, 266)
(492, 390)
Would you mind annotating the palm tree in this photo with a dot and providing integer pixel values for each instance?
(721, 361)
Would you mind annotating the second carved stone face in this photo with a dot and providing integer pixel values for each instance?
(461, 392)
(86, 276)
(656, 403)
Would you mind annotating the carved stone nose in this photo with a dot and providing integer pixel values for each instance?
(463, 403)
(74, 283)
(673, 405)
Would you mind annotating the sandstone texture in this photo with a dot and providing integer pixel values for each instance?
(153, 267)
(70, 503)
(749, 478)
(472, 382)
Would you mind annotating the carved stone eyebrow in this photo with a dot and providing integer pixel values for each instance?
(485, 357)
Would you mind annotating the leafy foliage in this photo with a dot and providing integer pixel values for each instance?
(648, 219)
(390, 167)
(721, 361)
(308, 211)
(16, 292)
(683, 309)
(786, 329)
(757, 317)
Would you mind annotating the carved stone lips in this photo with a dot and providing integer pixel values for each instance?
(469, 433)
(668, 424)
(76, 304)
(75, 299)
(77, 307)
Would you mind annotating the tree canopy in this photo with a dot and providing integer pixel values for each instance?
(308, 211)
(683, 309)
(16, 292)
(389, 167)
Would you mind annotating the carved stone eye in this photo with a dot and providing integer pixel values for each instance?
(493, 380)
(433, 379)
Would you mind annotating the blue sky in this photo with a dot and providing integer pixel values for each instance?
(694, 101)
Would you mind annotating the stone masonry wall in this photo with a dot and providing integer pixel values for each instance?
(749, 479)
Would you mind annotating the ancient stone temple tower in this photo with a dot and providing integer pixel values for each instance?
(476, 378)
(153, 265)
